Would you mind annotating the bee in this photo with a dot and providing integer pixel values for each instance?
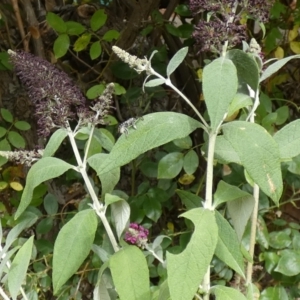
(130, 123)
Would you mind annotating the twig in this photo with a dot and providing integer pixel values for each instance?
(33, 22)
(15, 6)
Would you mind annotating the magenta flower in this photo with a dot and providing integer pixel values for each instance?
(137, 235)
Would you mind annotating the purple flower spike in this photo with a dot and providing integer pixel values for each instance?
(53, 93)
(224, 23)
(137, 235)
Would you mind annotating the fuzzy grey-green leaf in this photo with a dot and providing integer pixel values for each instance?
(45, 169)
(152, 131)
(259, 154)
(220, 85)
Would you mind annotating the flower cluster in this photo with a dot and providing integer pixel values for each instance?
(260, 9)
(137, 235)
(212, 35)
(224, 24)
(53, 93)
(23, 157)
(139, 65)
(99, 109)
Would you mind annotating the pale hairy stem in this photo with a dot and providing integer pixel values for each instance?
(170, 84)
(253, 233)
(97, 206)
(254, 215)
(208, 196)
(3, 295)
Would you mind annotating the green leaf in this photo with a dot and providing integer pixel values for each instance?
(122, 71)
(119, 89)
(224, 152)
(5, 259)
(247, 69)
(192, 263)
(240, 211)
(239, 101)
(108, 180)
(170, 165)
(22, 125)
(16, 139)
(271, 260)
(25, 221)
(173, 30)
(98, 19)
(17, 272)
(101, 289)
(274, 67)
(95, 50)
(120, 213)
(74, 28)
(252, 291)
(164, 293)
(105, 138)
(3, 132)
(45, 169)
(94, 147)
(152, 209)
(153, 131)
(55, 141)
(61, 45)
(82, 42)
(240, 205)
(56, 22)
(147, 30)
(184, 143)
(190, 162)
(72, 246)
(274, 293)
(226, 192)
(183, 10)
(259, 155)
(226, 293)
(95, 91)
(288, 140)
(289, 263)
(133, 282)
(50, 204)
(5, 61)
(220, 84)
(228, 246)
(176, 60)
(185, 30)
(44, 226)
(279, 239)
(111, 35)
(189, 199)
(283, 113)
(6, 115)
(262, 234)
